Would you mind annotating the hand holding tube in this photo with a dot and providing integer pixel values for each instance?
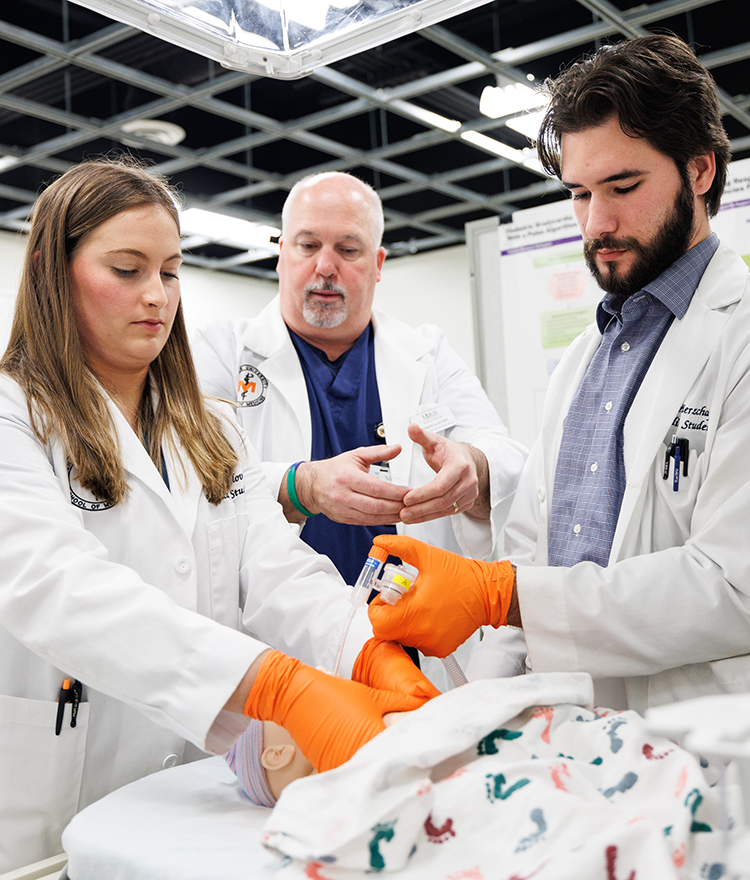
(452, 597)
(328, 717)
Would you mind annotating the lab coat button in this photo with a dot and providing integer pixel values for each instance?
(541, 496)
(170, 761)
(182, 565)
(625, 346)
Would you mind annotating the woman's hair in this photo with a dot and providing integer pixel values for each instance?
(44, 354)
(656, 88)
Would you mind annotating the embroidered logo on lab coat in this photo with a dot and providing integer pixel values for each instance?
(85, 503)
(251, 386)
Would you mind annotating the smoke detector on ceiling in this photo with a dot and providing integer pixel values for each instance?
(166, 134)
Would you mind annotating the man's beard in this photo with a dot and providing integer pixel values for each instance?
(670, 242)
(325, 314)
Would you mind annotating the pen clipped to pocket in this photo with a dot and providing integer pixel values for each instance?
(679, 451)
(70, 692)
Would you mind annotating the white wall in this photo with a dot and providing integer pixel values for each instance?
(432, 288)
(424, 288)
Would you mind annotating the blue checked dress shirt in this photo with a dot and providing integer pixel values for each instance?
(590, 474)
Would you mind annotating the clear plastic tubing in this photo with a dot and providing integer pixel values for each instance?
(361, 593)
(395, 582)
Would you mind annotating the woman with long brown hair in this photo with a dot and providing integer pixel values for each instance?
(143, 557)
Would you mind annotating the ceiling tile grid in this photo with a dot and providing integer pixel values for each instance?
(70, 80)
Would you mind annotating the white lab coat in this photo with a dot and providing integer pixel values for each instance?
(141, 602)
(416, 370)
(669, 618)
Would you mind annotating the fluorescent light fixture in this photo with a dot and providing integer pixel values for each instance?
(308, 13)
(493, 146)
(528, 124)
(497, 101)
(231, 231)
(285, 39)
(427, 116)
(8, 162)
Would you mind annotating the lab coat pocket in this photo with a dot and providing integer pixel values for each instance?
(41, 777)
(676, 494)
(225, 540)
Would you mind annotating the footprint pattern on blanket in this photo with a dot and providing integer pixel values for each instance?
(495, 790)
(614, 740)
(611, 857)
(693, 800)
(651, 755)
(627, 782)
(438, 835)
(382, 832)
(487, 745)
(537, 817)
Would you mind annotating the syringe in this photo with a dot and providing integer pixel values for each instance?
(361, 593)
(396, 580)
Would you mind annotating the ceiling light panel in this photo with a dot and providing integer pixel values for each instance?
(285, 39)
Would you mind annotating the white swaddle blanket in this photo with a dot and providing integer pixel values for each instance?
(512, 778)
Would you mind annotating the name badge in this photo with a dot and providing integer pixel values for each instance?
(381, 471)
(436, 419)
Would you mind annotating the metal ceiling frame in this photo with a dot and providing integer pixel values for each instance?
(84, 54)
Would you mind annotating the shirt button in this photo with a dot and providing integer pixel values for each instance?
(182, 565)
(170, 761)
(608, 405)
(594, 468)
(625, 346)
(577, 528)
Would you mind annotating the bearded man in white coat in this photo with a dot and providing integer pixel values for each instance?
(365, 425)
(628, 532)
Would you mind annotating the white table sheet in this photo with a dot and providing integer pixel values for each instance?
(187, 823)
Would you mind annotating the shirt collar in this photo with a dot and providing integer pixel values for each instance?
(676, 285)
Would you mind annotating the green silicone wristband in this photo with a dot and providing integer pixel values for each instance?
(292, 493)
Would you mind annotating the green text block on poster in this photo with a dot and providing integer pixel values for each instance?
(560, 328)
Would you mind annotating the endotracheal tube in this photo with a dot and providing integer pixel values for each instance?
(361, 593)
(396, 580)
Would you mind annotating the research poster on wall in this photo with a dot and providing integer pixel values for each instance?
(549, 297)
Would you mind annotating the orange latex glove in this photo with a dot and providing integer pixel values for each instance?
(328, 717)
(450, 599)
(387, 666)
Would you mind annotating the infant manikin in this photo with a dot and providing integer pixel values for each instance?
(265, 760)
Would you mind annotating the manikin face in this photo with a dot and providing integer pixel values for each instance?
(329, 264)
(125, 286)
(636, 214)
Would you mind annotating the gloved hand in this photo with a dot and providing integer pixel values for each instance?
(387, 666)
(328, 717)
(450, 599)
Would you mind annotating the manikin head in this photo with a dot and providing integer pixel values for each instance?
(330, 259)
(635, 133)
(266, 759)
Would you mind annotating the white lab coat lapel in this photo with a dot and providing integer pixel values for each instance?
(401, 379)
(676, 366)
(268, 338)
